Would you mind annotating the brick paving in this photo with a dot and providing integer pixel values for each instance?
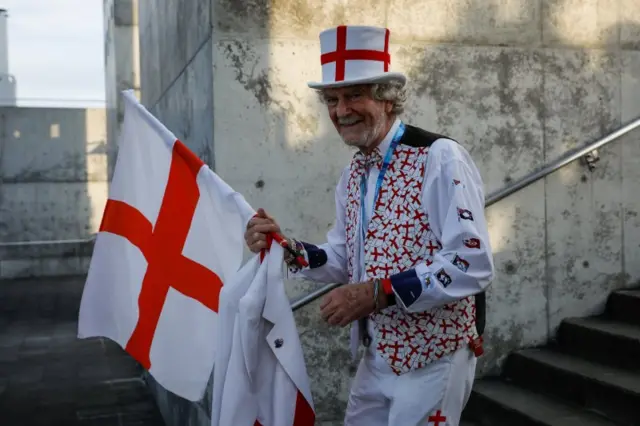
(49, 377)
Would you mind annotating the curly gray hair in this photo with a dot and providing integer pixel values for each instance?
(393, 91)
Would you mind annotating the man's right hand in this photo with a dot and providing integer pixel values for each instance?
(257, 229)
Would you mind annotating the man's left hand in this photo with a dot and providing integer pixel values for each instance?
(347, 303)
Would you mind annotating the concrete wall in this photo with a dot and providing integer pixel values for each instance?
(176, 72)
(53, 181)
(518, 82)
(122, 65)
(8, 88)
(177, 87)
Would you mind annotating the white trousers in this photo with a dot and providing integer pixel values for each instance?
(432, 396)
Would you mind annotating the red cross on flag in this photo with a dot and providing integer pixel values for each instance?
(171, 236)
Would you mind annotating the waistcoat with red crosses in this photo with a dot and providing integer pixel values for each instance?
(399, 238)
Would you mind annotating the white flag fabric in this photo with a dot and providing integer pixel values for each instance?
(171, 235)
(260, 378)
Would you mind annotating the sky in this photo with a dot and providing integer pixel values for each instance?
(56, 51)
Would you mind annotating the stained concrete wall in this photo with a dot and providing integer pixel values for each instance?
(53, 182)
(122, 65)
(518, 82)
(176, 71)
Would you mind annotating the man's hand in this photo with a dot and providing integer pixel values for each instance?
(347, 303)
(257, 229)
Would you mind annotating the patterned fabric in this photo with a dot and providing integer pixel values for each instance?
(362, 163)
(398, 238)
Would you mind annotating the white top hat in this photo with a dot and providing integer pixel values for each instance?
(355, 55)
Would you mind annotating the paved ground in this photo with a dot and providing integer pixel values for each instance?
(48, 377)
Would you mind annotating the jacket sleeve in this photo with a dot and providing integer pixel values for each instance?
(328, 261)
(453, 198)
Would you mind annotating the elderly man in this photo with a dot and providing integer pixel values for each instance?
(410, 239)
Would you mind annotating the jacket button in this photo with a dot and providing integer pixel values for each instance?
(279, 343)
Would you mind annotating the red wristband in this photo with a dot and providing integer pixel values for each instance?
(386, 286)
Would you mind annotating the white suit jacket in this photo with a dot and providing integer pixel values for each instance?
(259, 371)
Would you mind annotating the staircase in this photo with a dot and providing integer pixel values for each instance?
(48, 377)
(589, 377)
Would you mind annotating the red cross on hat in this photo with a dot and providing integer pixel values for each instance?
(355, 54)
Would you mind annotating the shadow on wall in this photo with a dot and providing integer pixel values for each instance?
(319, 156)
(289, 164)
(52, 173)
(558, 243)
(121, 66)
(513, 107)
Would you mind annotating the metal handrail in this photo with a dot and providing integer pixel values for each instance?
(502, 193)
(559, 163)
(47, 242)
(491, 199)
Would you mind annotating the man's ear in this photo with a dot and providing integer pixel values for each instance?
(388, 107)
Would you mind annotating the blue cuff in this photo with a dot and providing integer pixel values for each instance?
(407, 286)
(317, 257)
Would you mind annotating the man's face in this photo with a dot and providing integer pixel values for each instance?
(360, 120)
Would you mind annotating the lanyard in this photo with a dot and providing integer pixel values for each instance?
(363, 180)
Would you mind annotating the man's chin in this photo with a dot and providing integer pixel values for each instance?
(354, 143)
(358, 142)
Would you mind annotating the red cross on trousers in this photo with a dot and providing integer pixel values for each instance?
(437, 419)
(341, 55)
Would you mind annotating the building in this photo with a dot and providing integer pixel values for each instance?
(53, 179)
(7, 81)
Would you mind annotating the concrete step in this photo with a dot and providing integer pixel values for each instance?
(48, 300)
(50, 377)
(624, 306)
(596, 387)
(45, 258)
(498, 403)
(602, 340)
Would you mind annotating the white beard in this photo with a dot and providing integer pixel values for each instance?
(369, 135)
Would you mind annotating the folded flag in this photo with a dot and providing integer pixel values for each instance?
(260, 378)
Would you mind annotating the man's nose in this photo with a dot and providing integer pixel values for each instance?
(342, 109)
